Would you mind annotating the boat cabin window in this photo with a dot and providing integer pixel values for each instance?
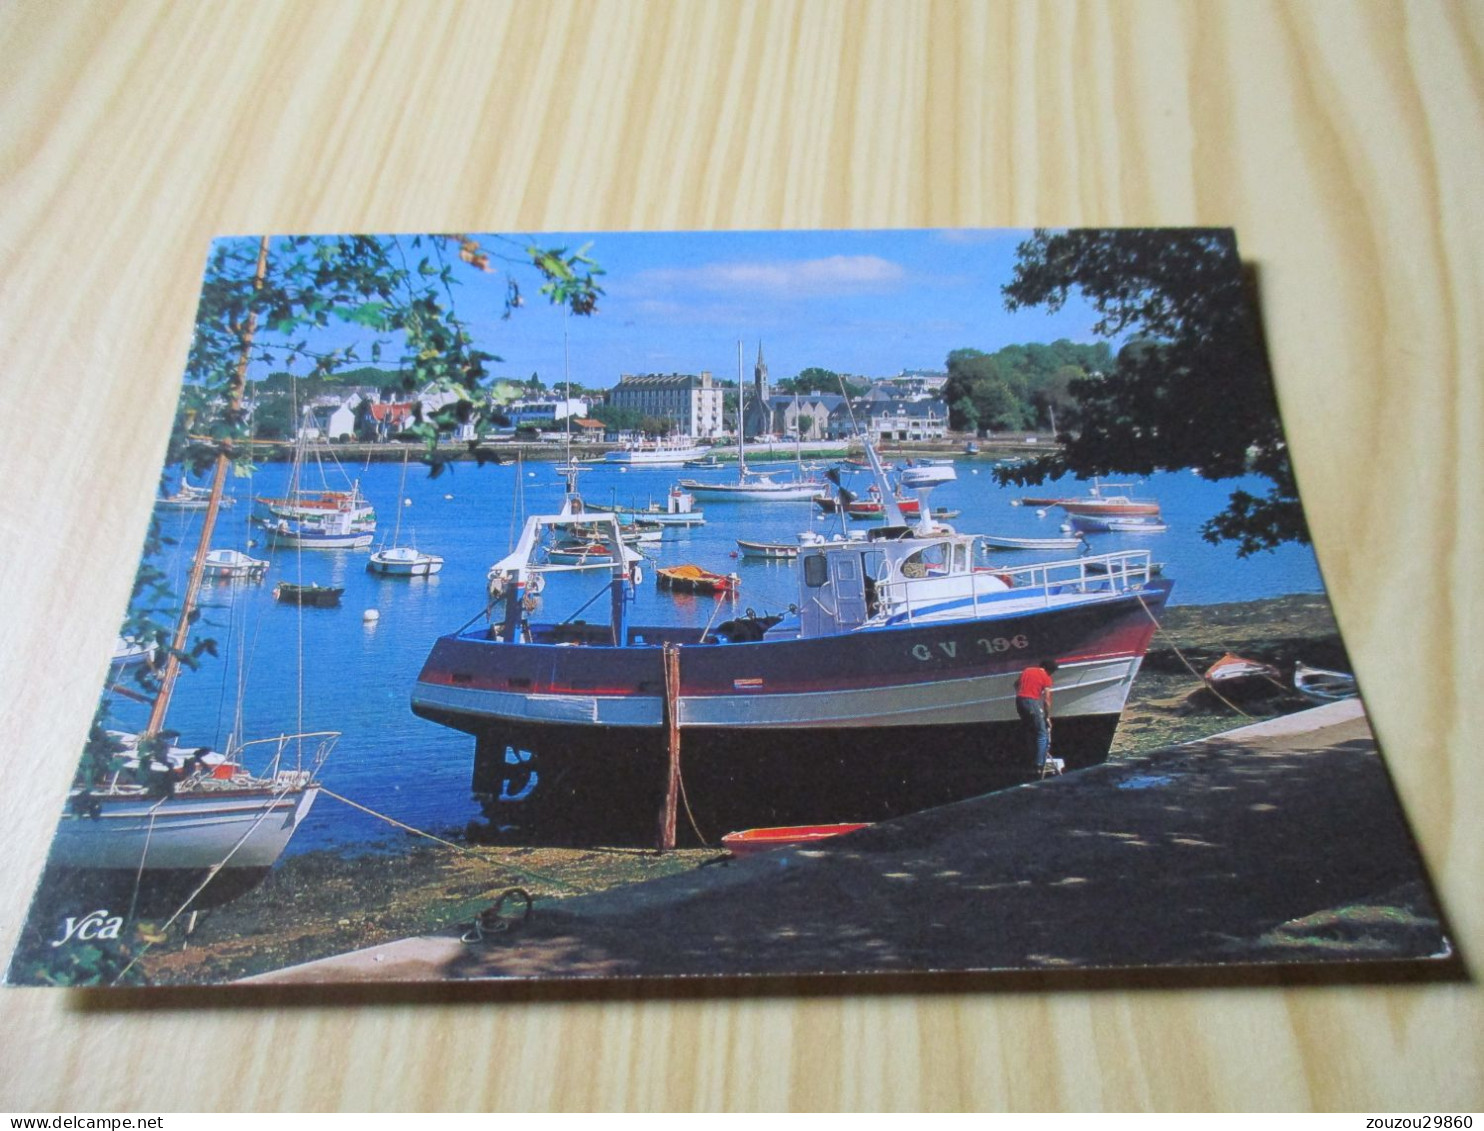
(960, 558)
(816, 570)
(929, 560)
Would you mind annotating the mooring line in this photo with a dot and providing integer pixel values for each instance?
(456, 846)
(1159, 628)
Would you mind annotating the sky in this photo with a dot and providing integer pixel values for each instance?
(868, 303)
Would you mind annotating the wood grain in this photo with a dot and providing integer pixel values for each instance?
(1345, 142)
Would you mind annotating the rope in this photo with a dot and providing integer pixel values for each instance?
(1160, 629)
(455, 846)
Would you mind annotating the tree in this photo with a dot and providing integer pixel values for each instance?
(617, 419)
(1191, 386)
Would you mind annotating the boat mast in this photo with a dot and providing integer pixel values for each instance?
(741, 419)
(171, 671)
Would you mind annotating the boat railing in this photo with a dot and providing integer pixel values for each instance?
(323, 742)
(1120, 572)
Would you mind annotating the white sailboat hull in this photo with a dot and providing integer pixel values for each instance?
(183, 833)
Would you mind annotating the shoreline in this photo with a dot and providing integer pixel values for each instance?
(555, 450)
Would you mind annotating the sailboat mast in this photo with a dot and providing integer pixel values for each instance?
(171, 671)
(741, 418)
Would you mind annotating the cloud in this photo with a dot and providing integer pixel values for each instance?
(835, 274)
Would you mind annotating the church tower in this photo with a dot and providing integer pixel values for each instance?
(760, 377)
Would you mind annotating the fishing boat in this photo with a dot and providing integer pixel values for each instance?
(708, 462)
(888, 687)
(678, 509)
(313, 595)
(1238, 677)
(750, 841)
(337, 531)
(152, 813)
(768, 551)
(1321, 685)
(234, 564)
(398, 560)
(1005, 542)
(320, 518)
(694, 579)
(1108, 500)
(1038, 501)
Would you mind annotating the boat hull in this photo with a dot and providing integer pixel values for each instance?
(388, 565)
(571, 743)
(735, 493)
(182, 834)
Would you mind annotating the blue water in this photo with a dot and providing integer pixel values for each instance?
(356, 678)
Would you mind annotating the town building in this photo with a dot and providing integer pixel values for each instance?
(757, 416)
(693, 404)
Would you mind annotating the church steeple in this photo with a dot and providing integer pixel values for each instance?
(760, 376)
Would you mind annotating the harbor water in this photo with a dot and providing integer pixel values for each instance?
(307, 669)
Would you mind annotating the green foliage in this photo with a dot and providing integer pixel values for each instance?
(277, 303)
(1020, 386)
(1191, 388)
(617, 419)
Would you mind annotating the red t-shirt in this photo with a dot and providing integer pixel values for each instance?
(1033, 681)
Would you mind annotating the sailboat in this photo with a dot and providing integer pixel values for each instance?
(148, 806)
(751, 486)
(398, 560)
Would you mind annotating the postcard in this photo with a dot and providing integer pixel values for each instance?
(609, 605)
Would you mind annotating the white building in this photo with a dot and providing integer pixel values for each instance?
(692, 403)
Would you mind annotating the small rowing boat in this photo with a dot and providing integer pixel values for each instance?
(694, 579)
(1320, 685)
(315, 595)
(749, 841)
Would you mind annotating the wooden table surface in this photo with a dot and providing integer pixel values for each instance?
(1344, 141)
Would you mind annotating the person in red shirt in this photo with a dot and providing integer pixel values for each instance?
(1033, 704)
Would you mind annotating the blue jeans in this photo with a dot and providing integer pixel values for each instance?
(1033, 718)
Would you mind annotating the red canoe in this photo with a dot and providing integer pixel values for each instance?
(789, 836)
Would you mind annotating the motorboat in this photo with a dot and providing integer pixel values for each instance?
(234, 564)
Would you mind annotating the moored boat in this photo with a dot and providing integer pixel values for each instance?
(1321, 685)
(234, 563)
(156, 816)
(1005, 542)
(1238, 677)
(770, 551)
(679, 509)
(694, 579)
(403, 561)
(337, 531)
(1108, 500)
(313, 595)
